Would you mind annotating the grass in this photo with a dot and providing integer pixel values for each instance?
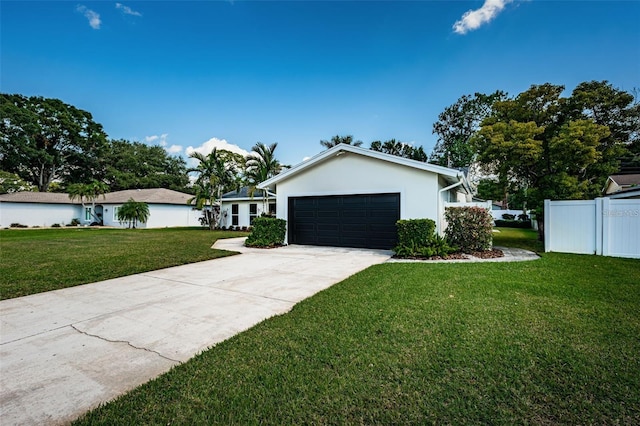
(35, 261)
(552, 341)
(519, 238)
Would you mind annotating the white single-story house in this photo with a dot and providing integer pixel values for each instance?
(167, 208)
(239, 208)
(352, 197)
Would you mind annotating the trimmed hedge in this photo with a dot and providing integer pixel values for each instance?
(266, 232)
(417, 238)
(469, 228)
(513, 223)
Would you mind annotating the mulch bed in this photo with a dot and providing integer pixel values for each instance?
(488, 254)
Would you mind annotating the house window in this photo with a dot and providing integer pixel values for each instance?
(115, 214)
(234, 214)
(87, 213)
(272, 209)
(253, 212)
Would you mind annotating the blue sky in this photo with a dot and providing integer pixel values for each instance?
(191, 75)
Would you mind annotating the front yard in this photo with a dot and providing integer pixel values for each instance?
(553, 341)
(37, 260)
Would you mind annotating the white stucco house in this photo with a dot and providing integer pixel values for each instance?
(352, 197)
(167, 208)
(239, 208)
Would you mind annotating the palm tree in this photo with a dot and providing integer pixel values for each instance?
(214, 174)
(88, 192)
(133, 212)
(262, 165)
(337, 140)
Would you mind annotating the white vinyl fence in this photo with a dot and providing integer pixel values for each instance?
(602, 226)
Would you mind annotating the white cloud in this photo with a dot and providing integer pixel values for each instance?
(174, 149)
(127, 10)
(207, 147)
(93, 17)
(474, 19)
(161, 140)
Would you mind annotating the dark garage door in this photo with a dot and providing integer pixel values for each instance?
(364, 221)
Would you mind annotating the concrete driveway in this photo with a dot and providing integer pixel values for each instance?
(66, 351)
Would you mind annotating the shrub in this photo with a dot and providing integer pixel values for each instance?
(417, 238)
(513, 223)
(508, 216)
(469, 228)
(75, 222)
(267, 232)
(18, 225)
(523, 217)
(55, 225)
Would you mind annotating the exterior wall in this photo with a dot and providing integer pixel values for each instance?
(350, 173)
(243, 210)
(605, 226)
(36, 214)
(160, 216)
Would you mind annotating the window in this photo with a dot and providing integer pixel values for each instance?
(253, 212)
(87, 213)
(234, 214)
(115, 214)
(272, 209)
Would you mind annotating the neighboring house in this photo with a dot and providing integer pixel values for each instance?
(352, 197)
(167, 208)
(619, 183)
(239, 208)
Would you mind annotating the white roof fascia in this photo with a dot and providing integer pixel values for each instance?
(445, 171)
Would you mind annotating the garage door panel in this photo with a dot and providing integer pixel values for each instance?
(367, 221)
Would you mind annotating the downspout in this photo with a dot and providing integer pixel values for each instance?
(438, 225)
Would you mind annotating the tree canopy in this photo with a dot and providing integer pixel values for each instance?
(44, 139)
(134, 165)
(400, 149)
(456, 126)
(337, 140)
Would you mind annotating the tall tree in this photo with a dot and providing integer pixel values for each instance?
(337, 140)
(134, 165)
(213, 176)
(262, 165)
(11, 182)
(532, 141)
(400, 149)
(44, 139)
(457, 124)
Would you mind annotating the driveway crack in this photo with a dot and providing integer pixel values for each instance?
(126, 342)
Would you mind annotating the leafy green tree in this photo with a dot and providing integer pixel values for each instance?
(134, 165)
(44, 139)
(530, 141)
(400, 149)
(214, 175)
(337, 140)
(456, 126)
(133, 212)
(11, 182)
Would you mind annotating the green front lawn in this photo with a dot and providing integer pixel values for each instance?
(551, 341)
(37, 260)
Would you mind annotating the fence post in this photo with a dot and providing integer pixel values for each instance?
(547, 225)
(605, 222)
(599, 224)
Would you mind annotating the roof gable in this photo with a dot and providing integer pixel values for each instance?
(449, 174)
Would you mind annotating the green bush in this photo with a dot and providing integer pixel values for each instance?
(417, 238)
(526, 224)
(266, 232)
(469, 228)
